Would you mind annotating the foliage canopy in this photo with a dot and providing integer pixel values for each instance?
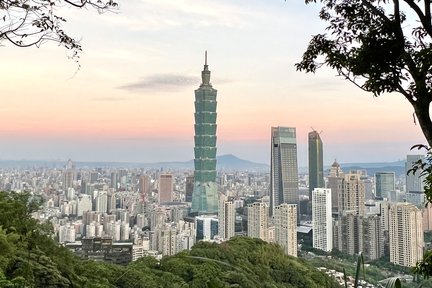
(31, 258)
(380, 46)
(27, 23)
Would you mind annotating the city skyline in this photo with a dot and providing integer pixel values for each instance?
(130, 100)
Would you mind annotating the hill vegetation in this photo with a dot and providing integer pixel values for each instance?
(31, 258)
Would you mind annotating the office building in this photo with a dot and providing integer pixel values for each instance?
(258, 214)
(207, 227)
(283, 168)
(406, 234)
(205, 195)
(316, 166)
(384, 184)
(285, 217)
(226, 218)
(166, 186)
(322, 222)
(414, 181)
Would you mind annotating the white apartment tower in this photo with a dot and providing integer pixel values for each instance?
(226, 218)
(322, 222)
(406, 234)
(258, 220)
(285, 216)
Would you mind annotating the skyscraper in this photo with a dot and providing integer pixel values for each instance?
(226, 218)
(144, 187)
(165, 188)
(373, 237)
(68, 175)
(352, 196)
(406, 234)
(316, 166)
(205, 195)
(384, 184)
(322, 221)
(258, 220)
(335, 180)
(285, 216)
(283, 168)
(414, 182)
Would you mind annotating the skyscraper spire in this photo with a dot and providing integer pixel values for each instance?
(205, 193)
(205, 74)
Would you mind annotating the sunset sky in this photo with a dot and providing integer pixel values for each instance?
(132, 99)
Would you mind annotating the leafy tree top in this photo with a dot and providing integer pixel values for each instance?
(27, 23)
(380, 46)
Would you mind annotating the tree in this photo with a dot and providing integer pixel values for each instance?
(380, 46)
(27, 23)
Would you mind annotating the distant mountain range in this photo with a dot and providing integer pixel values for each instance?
(227, 162)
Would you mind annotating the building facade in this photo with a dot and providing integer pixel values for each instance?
(406, 234)
(166, 185)
(414, 181)
(283, 168)
(205, 195)
(258, 214)
(335, 180)
(285, 217)
(316, 166)
(384, 184)
(226, 218)
(322, 221)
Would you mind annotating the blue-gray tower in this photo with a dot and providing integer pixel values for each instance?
(205, 195)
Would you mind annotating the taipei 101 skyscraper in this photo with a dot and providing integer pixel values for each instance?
(205, 195)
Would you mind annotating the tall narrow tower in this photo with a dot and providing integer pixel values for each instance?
(205, 195)
(283, 169)
(316, 170)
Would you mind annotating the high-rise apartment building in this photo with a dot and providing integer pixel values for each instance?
(322, 222)
(166, 186)
(373, 237)
(384, 184)
(189, 188)
(335, 180)
(316, 166)
(285, 217)
(414, 181)
(205, 195)
(351, 232)
(283, 168)
(68, 175)
(406, 234)
(226, 218)
(144, 187)
(258, 214)
(352, 196)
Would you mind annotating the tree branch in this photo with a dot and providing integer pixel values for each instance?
(423, 19)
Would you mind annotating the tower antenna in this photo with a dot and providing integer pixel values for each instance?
(205, 57)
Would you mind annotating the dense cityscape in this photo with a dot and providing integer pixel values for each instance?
(119, 215)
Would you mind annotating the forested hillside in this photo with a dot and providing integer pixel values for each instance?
(30, 258)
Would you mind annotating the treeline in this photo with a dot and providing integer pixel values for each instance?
(29, 257)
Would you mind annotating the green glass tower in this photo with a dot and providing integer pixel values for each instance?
(205, 195)
(316, 169)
